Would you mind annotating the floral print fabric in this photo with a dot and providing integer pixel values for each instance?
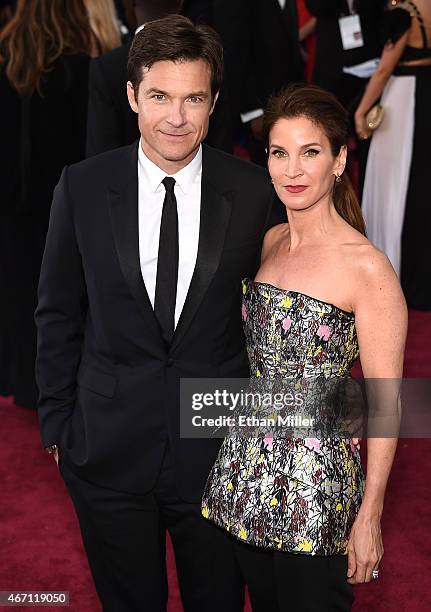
(299, 495)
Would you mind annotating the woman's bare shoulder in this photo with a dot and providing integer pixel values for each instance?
(376, 283)
(370, 262)
(361, 256)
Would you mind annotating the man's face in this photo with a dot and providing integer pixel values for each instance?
(174, 105)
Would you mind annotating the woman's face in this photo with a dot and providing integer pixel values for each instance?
(301, 163)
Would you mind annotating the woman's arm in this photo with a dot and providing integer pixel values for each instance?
(307, 29)
(389, 59)
(381, 324)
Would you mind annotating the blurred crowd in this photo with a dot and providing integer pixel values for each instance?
(63, 69)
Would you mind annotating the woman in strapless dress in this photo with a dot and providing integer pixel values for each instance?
(305, 522)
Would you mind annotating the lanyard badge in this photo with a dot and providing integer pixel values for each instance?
(351, 32)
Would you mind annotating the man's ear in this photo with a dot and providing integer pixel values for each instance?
(214, 102)
(131, 97)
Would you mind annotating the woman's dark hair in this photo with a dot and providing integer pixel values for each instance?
(325, 111)
(175, 38)
(38, 33)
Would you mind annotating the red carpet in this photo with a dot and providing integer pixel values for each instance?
(40, 542)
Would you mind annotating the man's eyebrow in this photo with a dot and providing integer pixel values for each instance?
(197, 94)
(156, 91)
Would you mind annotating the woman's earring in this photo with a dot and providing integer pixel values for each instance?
(337, 178)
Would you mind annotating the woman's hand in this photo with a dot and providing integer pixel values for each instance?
(365, 548)
(357, 442)
(361, 127)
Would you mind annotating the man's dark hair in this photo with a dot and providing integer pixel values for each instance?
(175, 38)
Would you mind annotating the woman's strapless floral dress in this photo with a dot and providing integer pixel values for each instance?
(293, 494)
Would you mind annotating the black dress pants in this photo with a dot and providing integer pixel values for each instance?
(288, 582)
(124, 537)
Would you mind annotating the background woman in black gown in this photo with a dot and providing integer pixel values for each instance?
(396, 191)
(44, 56)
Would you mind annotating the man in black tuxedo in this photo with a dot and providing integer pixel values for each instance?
(140, 287)
(263, 55)
(110, 122)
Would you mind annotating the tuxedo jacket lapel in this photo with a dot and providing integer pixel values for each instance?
(216, 207)
(123, 201)
(214, 220)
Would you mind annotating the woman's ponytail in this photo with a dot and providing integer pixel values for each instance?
(347, 205)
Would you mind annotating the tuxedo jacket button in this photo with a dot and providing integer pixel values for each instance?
(169, 362)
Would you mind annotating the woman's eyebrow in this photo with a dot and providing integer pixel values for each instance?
(305, 146)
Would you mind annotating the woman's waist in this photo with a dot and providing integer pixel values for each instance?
(287, 448)
(324, 464)
(415, 53)
(413, 69)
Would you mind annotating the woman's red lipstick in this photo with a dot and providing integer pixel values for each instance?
(296, 188)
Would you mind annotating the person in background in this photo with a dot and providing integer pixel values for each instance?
(199, 11)
(6, 341)
(263, 54)
(307, 27)
(126, 15)
(395, 201)
(44, 56)
(344, 62)
(104, 25)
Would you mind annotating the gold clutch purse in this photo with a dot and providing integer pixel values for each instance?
(374, 117)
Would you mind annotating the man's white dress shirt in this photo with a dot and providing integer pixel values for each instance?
(150, 204)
